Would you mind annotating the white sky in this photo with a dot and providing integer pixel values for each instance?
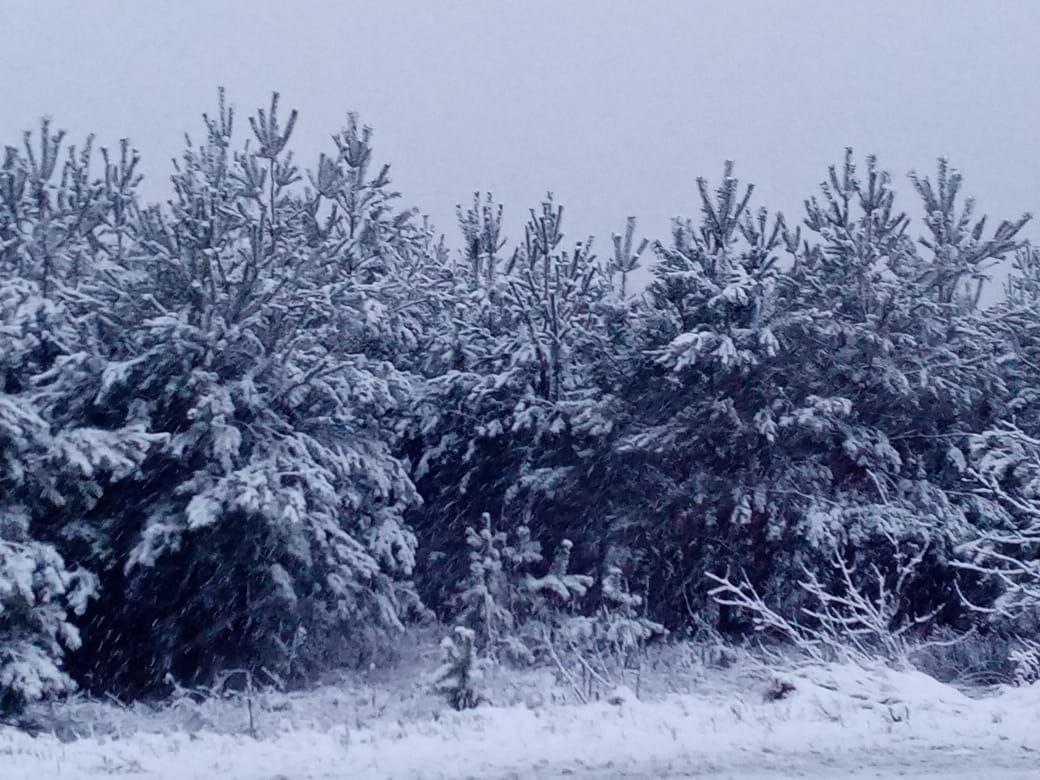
(614, 106)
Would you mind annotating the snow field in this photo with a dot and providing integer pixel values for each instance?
(837, 720)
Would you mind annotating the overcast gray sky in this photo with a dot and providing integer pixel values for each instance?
(615, 106)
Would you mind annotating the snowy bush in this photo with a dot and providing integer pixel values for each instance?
(860, 613)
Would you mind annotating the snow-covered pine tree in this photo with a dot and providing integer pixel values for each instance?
(903, 348)
(626, 258)
(380, 259)
(59, 285)
(504, 602)
(268, 532)
(511, 413)
(1014, 324)
(855, 328)
(591, 648)
(696, 397)
(39, 591)
(961, 254)
(1000, 464)
(559, 589)
(806, 409)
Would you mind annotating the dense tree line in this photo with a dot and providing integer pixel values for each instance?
(269, 423)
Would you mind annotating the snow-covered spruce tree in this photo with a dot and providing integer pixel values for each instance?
(267, 534)
(59, 281)
(511, 418)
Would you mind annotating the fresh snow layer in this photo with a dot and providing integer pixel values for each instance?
(837, 721)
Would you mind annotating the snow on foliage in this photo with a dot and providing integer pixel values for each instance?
(264, 424)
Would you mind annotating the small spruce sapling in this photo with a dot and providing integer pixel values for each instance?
(600, 648)
(518, 559)
(484, 598)
(623, 628)
(460, 671)
(558, 588)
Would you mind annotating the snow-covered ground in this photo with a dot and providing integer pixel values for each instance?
(829, 721)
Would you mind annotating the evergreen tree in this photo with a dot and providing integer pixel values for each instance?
(459, 676)
(510, 418)
(804, 411)
(222, 417)
(59, 266)
(268, 532)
